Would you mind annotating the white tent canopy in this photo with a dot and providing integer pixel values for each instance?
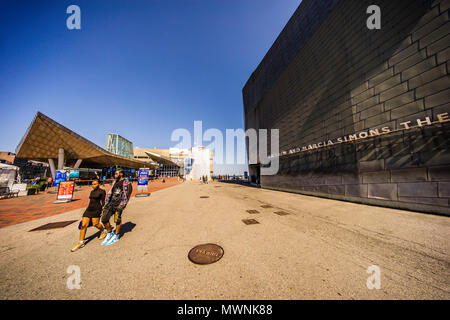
(7, 175)
(8, 166)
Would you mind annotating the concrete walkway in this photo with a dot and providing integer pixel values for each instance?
(321, 250)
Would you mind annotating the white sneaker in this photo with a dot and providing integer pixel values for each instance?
(107, 238)
(113, 239)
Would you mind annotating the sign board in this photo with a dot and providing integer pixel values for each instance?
(143, 175)
(143, 182)
(65, 190)
(59, 176)
(74, 174)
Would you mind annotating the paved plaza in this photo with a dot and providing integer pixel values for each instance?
(316, 249)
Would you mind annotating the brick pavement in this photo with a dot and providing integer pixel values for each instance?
(22, 209)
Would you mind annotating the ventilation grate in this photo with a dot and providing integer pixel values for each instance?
(250, 221)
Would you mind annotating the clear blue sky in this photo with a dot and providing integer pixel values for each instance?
(137, 68)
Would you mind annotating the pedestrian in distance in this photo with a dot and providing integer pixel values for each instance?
(49, 183)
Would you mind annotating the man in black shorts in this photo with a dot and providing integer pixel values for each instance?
(116, 201)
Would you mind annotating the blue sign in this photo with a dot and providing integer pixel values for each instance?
(74, 174)
(142, 181)
(143, 177)
(59, 176)
(144, 173)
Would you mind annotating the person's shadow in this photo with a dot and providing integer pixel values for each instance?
(125, 228)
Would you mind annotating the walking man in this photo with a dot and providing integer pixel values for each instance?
(116, 201)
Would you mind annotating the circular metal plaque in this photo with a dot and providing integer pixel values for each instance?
(205, 253)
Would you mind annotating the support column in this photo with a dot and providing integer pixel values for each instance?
(78, 163)
(52, 167)
(60, 159)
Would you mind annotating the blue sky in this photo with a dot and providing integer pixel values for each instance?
(137, 68)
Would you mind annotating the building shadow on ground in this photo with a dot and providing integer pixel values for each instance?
(241, 183)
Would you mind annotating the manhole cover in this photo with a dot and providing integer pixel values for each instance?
(281, 213)
(204, 197)
(266, 206)
(205, 253)
(250, 221)
(54, 225)
(252, 211)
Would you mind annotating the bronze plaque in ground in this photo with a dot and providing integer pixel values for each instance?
(54, 225)
(252, 211)
(281, 213)
(205, 253)
(266, 206)
(250, 221)
(140, 195)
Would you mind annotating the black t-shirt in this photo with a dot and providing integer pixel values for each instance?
(116, 193)
(97, 200)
